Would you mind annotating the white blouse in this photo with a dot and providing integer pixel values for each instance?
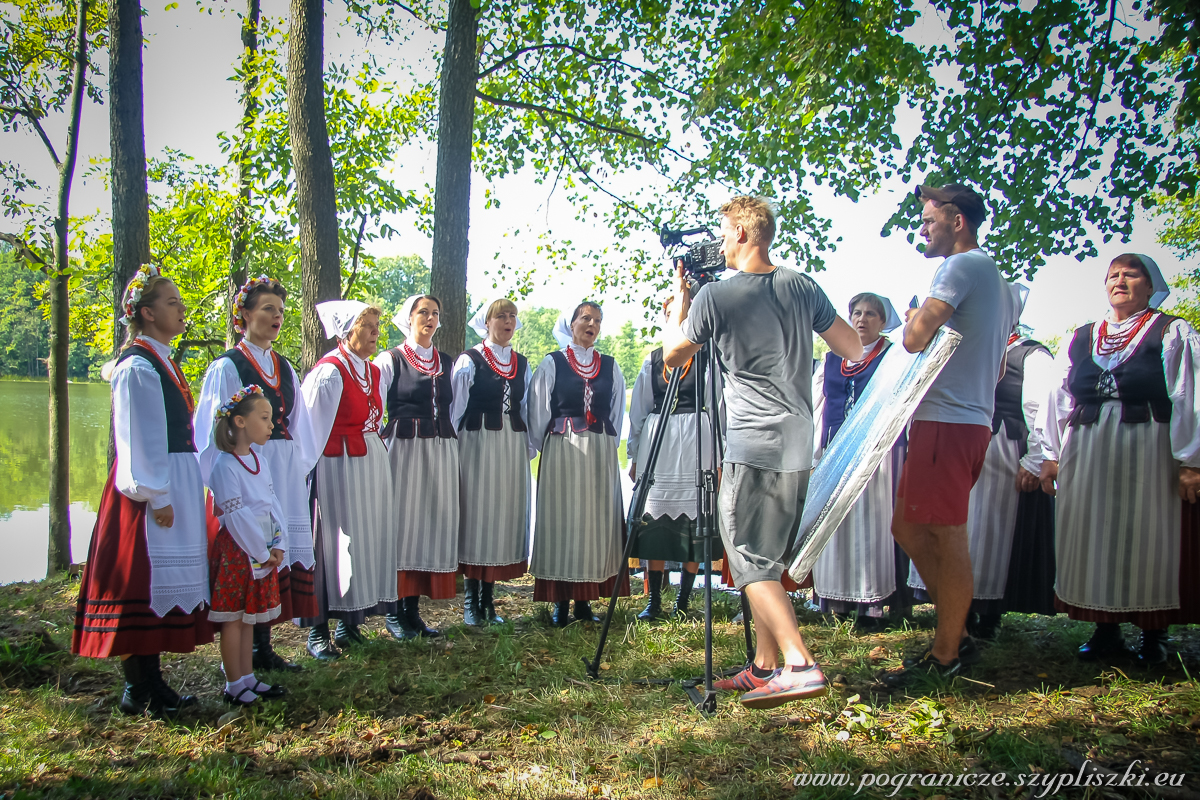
(222, 382)
(542, 386)
(245, 500)
(140, 428)
(386, 361)
(641, 403)
(463, 378)
(1181, 361)
(322, 393)
(1039, 380)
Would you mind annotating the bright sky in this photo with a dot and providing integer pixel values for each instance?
(189, 99)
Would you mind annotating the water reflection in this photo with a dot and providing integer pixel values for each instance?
(24, 472)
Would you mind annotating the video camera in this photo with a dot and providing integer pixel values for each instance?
(703, 260)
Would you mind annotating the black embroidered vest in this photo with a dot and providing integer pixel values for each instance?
(485, 403)
(1008, 410)
(418, 405)
(1138, 382)
(685, 401)
(567, 399)
(180, 437)
(842, 392)
(282, 400)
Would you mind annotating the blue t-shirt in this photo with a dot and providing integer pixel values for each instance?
(762, 325)
(984, 313)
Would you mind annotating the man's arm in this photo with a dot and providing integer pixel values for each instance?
(843, 340)
(924, 322)
(677, 348)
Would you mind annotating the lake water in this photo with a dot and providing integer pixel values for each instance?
(25, 479)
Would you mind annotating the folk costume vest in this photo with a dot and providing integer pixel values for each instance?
(842, 391)
(282, 397)
(685, 401)
(1008, 393)
(1138, 382)
(493, 396)
(180, 437)
(358, 413)
(418, 405)
(585, 405)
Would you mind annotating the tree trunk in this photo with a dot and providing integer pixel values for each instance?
(316, 193)
(127, 141)
(240, 235)
(59, 556)
(452, 193)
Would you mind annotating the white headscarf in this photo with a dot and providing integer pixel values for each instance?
(562, 329)
(893, 320)
(478, 322)
(339, 316)
(1020, 293)
(403, 317)
(1160, 289)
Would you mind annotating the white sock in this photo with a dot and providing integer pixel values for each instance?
(232, 688)
(255, 685)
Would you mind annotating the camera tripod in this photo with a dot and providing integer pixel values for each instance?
(706, 520)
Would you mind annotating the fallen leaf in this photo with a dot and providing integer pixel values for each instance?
(606, 666)
(842, 736)
(548, 734)
(652, 783)
(594, 789)
(489, 698)
(1042, 675)
(877, 653)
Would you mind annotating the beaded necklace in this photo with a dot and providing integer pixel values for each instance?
(866, 362)
(425, 366)
(257, 465)
(267, 379)
(508, 371)
(1109, 344)
(365, 383)
(592, 368)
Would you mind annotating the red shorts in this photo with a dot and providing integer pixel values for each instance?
(944, 461)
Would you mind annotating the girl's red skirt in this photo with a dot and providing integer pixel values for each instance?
(237, 596)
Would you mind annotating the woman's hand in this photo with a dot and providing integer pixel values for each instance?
(275, 560)
(1049, 476)
(1027, 481)
(165, 516)
(633, 471)
(1189, 483)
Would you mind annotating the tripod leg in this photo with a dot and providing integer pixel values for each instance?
(593, 667)
(746, 619)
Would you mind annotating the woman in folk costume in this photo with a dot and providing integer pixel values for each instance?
(423, 453)
(258, 317)
(576, 406)
(491, 393)
(145, 587)
(669, 521)
(250, 548)
(856, 573)
(353, 515)
(1120, 439)
(1014, 451)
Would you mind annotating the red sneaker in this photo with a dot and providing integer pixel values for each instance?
(744, 681)
(790, 683)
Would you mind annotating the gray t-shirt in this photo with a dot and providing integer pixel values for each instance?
(984, 312)
(762, 326)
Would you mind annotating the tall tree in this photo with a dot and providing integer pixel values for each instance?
(127, 143)
(39, 41)
(316, 192)
(239, 249)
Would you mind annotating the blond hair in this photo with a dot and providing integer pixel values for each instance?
(756, 215)
(150, 293)
(501, 306)
(224, 431)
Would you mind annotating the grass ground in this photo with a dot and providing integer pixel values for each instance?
(510, 713)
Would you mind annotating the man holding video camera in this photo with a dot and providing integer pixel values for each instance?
(761, 322)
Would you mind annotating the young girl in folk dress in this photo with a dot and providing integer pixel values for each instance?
(250, 544)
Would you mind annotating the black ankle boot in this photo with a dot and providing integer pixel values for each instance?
(347, 635)
(412, 613)
(562, 614)
(397, 625)
(487, 604)
(653, 611)
(1152, 647)
(168, 697)
(320, 645)
(686, 581)
(1106, 641)
(138, 691)
(988, 627)
(265, 658)
(583, 611)
(471, 601)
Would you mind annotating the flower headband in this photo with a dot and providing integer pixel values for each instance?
(227, 409)
(239, 302)
(133, 292)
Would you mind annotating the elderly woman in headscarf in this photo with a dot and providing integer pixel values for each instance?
(423, 451)
(576, 407)
(856, 573)
(491, 394)
(1121, 444)
(353, 515)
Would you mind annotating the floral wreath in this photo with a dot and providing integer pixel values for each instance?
(232, 403)
(133, 292)
(239, 302)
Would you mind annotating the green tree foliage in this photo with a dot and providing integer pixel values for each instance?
(23, 328)
(535, 340)
(628, 348)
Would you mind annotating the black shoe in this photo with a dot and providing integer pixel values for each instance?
(929, 667)
(1106, 641)
(140, 695)
(471, 599)
(968, 654)
(686, 581)
(346, 635)
(264, 656)
(583, 612)
(487, 604)
(168, 697)
(561, 617)
(984, 626)
(412, 613)
(653, 611)
(240, 699)
(397, 625)
(268, 691)
(1152, 648)
(319, 645)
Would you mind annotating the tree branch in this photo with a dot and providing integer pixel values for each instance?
(24, 251)
(543, 110)
(416, 16)
(588, 178)
(362, 226)
(579, 51)
(32, 119)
